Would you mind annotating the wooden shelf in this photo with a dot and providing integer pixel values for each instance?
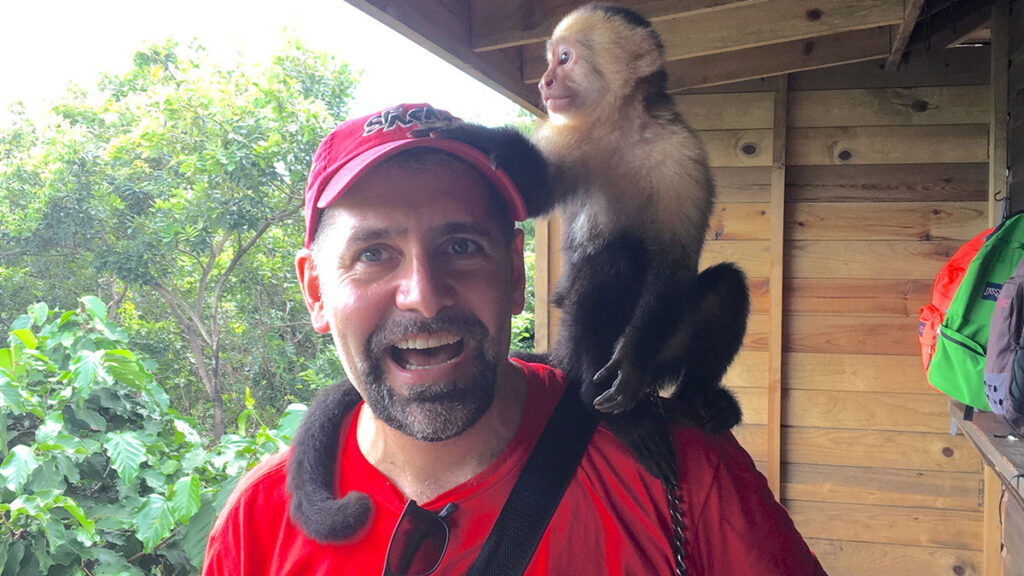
(1002, 451)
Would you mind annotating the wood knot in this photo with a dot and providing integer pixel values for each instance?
(814, 14)
(845, 155)
(947, 452)
(748, 149)
(808, 48)
(959, 570)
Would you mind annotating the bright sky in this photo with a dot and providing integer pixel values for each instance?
(46, 44)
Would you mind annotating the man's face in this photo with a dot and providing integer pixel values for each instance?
(417, 287)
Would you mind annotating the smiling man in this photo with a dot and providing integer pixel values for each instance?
(412, 263)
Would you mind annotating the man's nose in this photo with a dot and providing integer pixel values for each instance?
(424, 288)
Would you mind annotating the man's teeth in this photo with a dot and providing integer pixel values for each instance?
(425, 342)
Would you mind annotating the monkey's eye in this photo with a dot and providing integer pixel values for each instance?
(564, 56)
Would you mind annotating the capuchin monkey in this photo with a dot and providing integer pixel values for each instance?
(632, 183)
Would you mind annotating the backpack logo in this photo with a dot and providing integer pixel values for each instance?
(991, 291)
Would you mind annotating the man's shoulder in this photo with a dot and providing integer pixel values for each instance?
(264, 481)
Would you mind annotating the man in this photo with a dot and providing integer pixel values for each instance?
(413, 265)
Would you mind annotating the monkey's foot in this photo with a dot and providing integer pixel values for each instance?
(624, 392)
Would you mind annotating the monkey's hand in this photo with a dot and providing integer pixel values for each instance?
(627, 387)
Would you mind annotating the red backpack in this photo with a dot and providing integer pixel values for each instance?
(946, 283)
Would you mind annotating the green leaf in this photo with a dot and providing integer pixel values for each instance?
(6, 360)
(127, 452)
(185, 498)
(243, 420)
(85, 369)
(153, 521)
(92, 418)
(20, 462)
(10, 395)
(290, 420)
(50, 427)
(111, 563)
(188, 433)
(26, 336)
(76, 512)
(95, 307)
(38, 312)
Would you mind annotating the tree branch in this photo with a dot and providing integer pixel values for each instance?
(177, 305)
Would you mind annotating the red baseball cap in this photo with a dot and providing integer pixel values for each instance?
(359, 144)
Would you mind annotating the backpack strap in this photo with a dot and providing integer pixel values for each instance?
(531, 504)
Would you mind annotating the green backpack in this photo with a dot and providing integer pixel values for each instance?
(958, 366)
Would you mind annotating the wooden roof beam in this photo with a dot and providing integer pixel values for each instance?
(777, 59)
(772, 22)
(503, 23)
(949, 26)
(910, 15)
(442, 27)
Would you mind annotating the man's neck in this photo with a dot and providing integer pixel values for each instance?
(424, 470)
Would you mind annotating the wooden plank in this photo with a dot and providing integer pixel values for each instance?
(865, 410)
(442, 28)
(892, 259)
(992, 438)
(740, 111)
(852, 334)
(750, 255)
(992, 535)
(888, 145)
(856, 373)
(845, 558)
(1012, 537)
(748, 370)
(898, 221)
(911, 10)
(503, 23)
(759, 295)
(769, 23)
(891, 107)
(742, 184)
(879, 449)
(752, 438)
(892, 183)
(777, 211)
(776, 59)
(959, 67)
(883, 486)
(754, 402)
(738, 147)
(757, 335)
(739, 221)
(857, 297)
(888, 524)
(999, 104)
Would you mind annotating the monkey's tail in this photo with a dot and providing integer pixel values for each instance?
(311, 470)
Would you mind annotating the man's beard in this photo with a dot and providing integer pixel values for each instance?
(442, 410)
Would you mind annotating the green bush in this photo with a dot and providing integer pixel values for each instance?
(100, 475)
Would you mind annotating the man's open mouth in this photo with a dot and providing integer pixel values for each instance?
(426, 351)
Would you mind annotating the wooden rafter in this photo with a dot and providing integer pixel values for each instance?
(910, 15)
(949, 26)
(776, 59)
(767, 23)
(503, 23)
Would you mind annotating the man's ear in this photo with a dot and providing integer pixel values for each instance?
(309, 282)
(518, 272)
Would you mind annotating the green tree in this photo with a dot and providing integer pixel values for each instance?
(98, 474)
(178, 195)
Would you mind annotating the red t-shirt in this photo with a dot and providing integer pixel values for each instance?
(613, 519)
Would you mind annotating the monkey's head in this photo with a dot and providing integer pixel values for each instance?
(596, 57)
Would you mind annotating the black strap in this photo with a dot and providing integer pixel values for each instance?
(532, 502)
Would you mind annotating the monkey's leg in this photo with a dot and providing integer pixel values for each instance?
(708, 342)
(664, 301)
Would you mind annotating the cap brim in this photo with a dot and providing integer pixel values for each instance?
(358, 166)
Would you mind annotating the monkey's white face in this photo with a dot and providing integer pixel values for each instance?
(562, 86)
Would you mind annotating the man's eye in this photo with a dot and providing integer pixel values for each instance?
(371, 255)
(563, 57)
(462, 247)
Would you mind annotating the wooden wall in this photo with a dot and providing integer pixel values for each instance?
(883, 177)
